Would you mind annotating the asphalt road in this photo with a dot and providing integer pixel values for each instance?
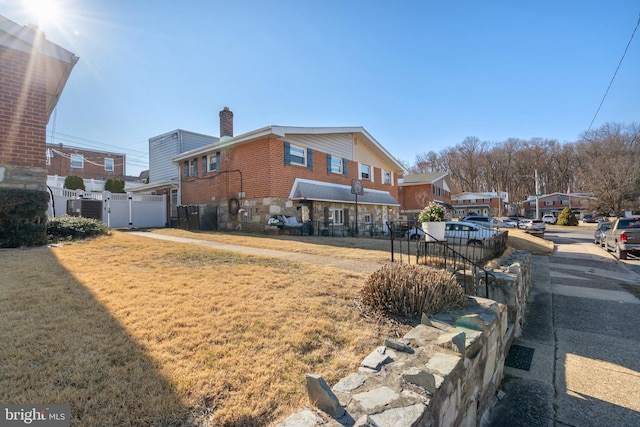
(582, 330)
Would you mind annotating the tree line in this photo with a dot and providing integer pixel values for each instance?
(604, 162)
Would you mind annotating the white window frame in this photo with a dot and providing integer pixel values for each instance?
(295, 159)
(78, 159)
(193, 167)
(365, 170)
(387, 177)
(336, 165)
(367, 218)
(212, 158)
(565, 202)
(109, 164)
(548, 202)
(337, 216)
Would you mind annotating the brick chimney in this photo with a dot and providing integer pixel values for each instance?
(226, 123)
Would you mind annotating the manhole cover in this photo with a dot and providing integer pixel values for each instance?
(519, 357)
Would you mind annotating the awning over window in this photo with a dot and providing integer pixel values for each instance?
(326, 192)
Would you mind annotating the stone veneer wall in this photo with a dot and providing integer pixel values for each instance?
(444, 372)
(22, 177)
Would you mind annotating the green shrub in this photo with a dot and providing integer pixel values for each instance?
(410, 290)
(74, 228)
(22, 217)
(74, 182)
(567, 217)
(115, 185)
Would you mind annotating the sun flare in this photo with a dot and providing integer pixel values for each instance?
(44, 11)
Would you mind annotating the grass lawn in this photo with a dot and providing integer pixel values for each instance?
(135, 331)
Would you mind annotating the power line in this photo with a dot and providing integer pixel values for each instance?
(614, 75)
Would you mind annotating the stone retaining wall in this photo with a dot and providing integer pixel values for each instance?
(444, 372)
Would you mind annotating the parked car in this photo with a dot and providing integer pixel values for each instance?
(599, 233)
(589, 218)
(480, 219)
(532, 225)
(458, 232)
(549, 219)
(623, 236)
(500, 222)
(512, 220)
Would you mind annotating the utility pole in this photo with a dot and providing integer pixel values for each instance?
(537, 196)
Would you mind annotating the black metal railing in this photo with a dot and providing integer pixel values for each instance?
(462, 253)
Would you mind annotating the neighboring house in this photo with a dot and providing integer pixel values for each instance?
(418, 190)
(64, 161)
(163, 174)
(480, 203)
(33, 73)
(555, 203)
(304, 172)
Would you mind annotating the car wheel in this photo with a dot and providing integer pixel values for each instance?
(475, 242)
(621, 254)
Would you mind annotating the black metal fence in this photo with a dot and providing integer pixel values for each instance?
(463, 252)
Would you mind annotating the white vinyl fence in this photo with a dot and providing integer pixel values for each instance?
(118, 210)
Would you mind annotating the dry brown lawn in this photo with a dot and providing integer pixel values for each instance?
(137, 331)
(134, 331)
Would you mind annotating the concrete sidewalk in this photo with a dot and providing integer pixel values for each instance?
(582, 327)
(344, 264)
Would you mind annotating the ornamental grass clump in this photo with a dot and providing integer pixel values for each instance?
(410, 290)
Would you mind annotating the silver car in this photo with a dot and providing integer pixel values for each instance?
(532, 225)
(459, 232)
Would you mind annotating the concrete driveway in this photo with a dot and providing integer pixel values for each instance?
(581, 338)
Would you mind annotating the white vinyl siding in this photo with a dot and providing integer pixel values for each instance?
(163, 148)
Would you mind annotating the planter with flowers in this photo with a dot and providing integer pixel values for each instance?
(273, 226)
(433, 219)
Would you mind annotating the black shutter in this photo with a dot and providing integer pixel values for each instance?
(204, 165)
(329, 164)
(310, 159)
(326, 216)
(345, 167)
(287, 153)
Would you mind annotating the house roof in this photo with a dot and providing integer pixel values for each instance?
(304, 189)
(30, 39)
(282, 132)
(423, 178)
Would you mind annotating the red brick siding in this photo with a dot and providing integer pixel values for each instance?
(22, 108)
(93, 163)
(264, 174)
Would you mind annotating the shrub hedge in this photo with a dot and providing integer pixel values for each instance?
(23, 216)
(74, 228)
(410, 290)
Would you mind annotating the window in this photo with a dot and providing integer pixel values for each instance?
(108, 164)
(185, 169)
(337, 216)
(77, 161)
(548, 202)
(532, 203)
(336, 165)
(214, 160)
(365, 172)
(297, 155)
(49, 155)
(193, 167)
(367, 218)
(386, 177)
(565, 202)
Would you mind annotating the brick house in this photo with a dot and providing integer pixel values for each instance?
(418, 190)
(480, 203)
(555, 203)
(33, 72)
(302, 172)
(63, 161)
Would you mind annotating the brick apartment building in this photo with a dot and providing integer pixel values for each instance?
(63, 161)
(418, 190)
(33, 72)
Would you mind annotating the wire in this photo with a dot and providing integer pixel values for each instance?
(614, 75)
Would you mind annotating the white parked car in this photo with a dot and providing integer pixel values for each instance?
(532, 225)
(459, 232)
(549, 219)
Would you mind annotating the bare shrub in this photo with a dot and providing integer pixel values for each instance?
(410, 290)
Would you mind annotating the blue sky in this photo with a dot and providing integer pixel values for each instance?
(418, 75)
